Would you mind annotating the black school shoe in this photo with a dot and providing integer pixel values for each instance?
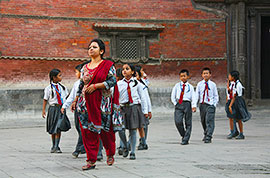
(58, 150)
(132, 156)
(207, 141)
(230, 136)
(75, 154)
(184, 143)
(236, 134)
(204, 138)
(120, 151)
(240, 137)
(142, 146)
(53, 150)
(125, 152)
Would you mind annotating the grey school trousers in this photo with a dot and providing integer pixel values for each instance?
(207, 113)
(183, 112)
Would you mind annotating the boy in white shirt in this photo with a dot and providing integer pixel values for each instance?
(184, 99)
(207, 94)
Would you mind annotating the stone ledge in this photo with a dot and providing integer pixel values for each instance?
(30, 100)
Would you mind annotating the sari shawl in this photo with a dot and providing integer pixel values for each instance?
(97, 118)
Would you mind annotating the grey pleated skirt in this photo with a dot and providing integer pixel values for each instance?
(133, 116)
(55, 119)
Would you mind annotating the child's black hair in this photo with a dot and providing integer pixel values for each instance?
(184, 71)
(207, 68)
(79, 67)
(54, 73)
(132, 67)
(235, 74)
(100, 44)
(119, 73)
(138, 70)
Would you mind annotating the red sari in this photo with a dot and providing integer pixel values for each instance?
(93, 102)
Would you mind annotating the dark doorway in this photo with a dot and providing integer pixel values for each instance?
(265, 58)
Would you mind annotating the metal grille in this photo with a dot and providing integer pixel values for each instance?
(128, 49)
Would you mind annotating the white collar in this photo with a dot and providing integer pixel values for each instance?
(130, 80)
(181, 83)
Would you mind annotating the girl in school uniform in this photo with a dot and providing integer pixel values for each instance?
(139, 75)
(55, 95)
(133, 107)
(229, 91)
(237, 107)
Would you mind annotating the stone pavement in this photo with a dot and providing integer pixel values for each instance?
(25, 147)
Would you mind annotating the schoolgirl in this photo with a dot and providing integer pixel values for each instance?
(55, 95)
(139, 75)
(237, 107)
(229, 95)
(133, 107)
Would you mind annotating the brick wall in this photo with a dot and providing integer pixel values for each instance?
(58, 29)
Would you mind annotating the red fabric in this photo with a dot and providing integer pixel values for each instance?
(129, 92)
(58, 95)
(231, 92)
(91, 143)
(205, 90)
(182, 94)
(93, 100)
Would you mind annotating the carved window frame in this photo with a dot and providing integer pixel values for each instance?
(114, 33)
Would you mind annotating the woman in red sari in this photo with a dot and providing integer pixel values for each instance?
(98, 104)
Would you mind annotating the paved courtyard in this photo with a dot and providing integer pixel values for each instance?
(25, 150)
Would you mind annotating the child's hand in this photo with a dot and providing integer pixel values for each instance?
(194, 109)
(90, 89)
(228, 84)
(230, 109)
(73, 106)
(62, 110)
(43, 114)
(146, 115)
(149, 115)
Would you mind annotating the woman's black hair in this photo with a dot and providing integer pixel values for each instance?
(100, 44)
(235, 74)
(54, 73)
(132, 67)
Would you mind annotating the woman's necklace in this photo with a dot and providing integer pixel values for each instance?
(92, 65)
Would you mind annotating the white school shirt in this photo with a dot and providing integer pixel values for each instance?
(212, 92)
(146, 81)
(72, 95)
(137, 93)
(239, 88)
(230, 86)
(148, 101)
(189, 93)
(53, 100)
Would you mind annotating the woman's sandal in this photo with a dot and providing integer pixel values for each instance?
(110, 160)
(88, 166)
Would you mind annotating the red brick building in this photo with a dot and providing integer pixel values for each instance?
(162, 35)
